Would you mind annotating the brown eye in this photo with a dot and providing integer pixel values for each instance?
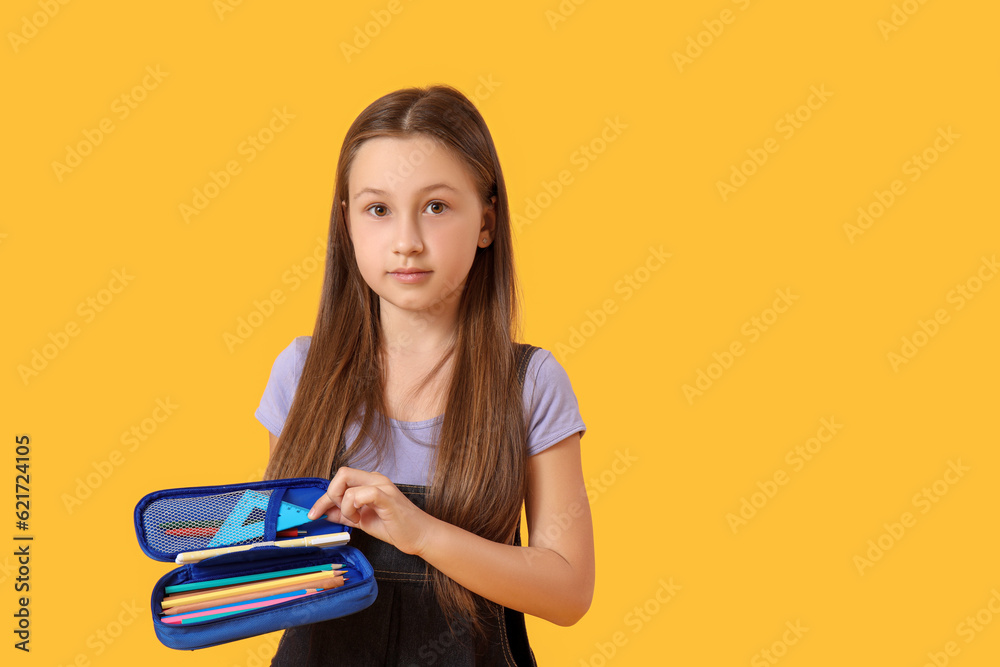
(377, 206)
(440, 204)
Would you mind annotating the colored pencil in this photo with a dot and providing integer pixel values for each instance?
(251, 587)
(215, 612)
(250, 591)
(186, 596)
(333, 582)
(207, 523)
(207, 531)
(233, 613)
(192, 531)
(212, 583)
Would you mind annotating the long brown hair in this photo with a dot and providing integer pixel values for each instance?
(479, 477)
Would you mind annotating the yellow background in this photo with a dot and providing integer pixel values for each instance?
(661, 518)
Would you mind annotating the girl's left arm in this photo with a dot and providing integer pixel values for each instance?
(552, 577)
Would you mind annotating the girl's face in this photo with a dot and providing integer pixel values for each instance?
(413, 206)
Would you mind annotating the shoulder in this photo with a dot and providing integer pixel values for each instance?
(282, 384)
(550, 403)
(291, 359)
(543, 368)
(287, 366)
(545, 371)
(300, 347)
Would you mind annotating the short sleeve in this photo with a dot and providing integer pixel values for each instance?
(281, 385)
(550, 402)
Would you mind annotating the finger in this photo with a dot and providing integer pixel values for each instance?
(349, 477)
(347, 509)
(334, 494)
(354, 477)
(359, 497)
(325, 504)
(345, 479)
(334, 516)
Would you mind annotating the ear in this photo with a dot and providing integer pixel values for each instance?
(347, 217)
(489, 220)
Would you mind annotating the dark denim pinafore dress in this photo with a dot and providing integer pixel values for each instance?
(405, 626)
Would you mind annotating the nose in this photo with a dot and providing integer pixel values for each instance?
(406, 236)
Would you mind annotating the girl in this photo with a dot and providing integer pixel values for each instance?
(434, 425)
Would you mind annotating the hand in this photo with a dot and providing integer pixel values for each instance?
(369, 501)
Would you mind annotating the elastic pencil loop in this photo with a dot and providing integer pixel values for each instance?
(271, 518)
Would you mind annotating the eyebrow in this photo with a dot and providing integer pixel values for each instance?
(433, 186)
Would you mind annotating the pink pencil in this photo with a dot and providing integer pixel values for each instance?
(178, 618)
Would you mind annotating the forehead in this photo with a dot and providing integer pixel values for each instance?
(401, 166)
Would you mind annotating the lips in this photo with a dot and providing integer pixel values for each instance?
(410, 276)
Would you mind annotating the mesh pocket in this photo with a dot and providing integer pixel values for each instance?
(173, 525)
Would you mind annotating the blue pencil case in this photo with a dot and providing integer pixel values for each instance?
(174, 521)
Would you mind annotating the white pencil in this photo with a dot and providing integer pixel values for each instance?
(332, 539)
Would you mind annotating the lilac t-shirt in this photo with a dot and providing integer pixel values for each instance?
(548, 396)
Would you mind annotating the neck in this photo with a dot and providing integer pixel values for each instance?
(408, 334)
